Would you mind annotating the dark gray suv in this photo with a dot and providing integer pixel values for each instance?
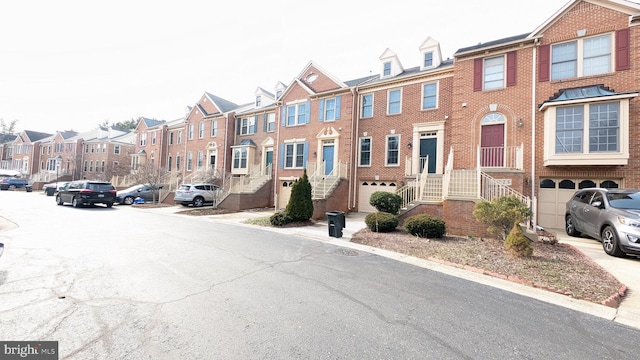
(86, 192)
(610, 215)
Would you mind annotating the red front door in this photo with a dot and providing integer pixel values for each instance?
(492, 146)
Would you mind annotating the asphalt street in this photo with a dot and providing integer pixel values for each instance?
(122, 283)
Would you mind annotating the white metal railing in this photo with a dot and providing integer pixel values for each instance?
(509, 157)
(491, 189)
(251, 182)
(323, 184)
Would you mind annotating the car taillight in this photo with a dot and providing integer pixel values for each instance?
(86, 191)
(113, 192)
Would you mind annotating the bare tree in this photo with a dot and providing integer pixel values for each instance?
(9, 128)
(152, 174)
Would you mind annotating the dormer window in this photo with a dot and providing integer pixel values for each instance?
(387, 69)
(428, 59)
(278, 94)
(258, 100)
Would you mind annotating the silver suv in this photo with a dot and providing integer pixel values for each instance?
(197, 194)
(610, 215)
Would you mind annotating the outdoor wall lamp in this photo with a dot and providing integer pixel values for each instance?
(409, 145)
(520, 122)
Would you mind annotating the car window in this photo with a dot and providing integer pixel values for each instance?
(100, 187)
(199, 187)
(583, 196)
(596, 197)
(624, 200)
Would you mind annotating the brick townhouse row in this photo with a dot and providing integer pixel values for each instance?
(535, 115)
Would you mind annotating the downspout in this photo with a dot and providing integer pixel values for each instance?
(352, 156)
(276, 156)
(226, 142)
(533, 130)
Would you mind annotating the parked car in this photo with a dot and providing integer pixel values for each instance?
(196, 194)
(87, 192)
(56, 185)
(611, 216)
(128, 196)
(11, 183)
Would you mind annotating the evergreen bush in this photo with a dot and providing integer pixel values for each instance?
(381, 221)
(386, 202)
(517, 244)
(501, 213)
(300, 206)
(426, 226)
(280, 219)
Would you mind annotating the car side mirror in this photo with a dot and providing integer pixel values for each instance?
(597, 204)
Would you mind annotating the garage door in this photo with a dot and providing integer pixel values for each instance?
(553, 195)
(367, 188)
(284, 194)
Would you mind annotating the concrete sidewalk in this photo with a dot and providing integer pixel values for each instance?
(625, 270)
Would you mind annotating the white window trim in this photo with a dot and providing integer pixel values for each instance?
(580, 56)
(620, 157)
(389, 100)
(386, 150)
(362, 105)
(437, 83)
(360, 151)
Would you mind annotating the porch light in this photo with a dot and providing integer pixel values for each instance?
(520, 122)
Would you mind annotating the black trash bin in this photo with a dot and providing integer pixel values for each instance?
(51, 190)
(335, 222)
(28, 188)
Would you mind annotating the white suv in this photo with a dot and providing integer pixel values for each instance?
(197, 194)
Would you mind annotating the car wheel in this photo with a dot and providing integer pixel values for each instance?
(58, 200)
(12, 187)
(75, 202)
(570, 227)
(128, 200)
(109, 204)
(610, 242)
(197, 202)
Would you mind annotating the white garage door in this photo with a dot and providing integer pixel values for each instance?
(553, 195)
(284, 194)
(367, 188)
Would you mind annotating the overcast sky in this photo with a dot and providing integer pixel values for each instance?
(74, 64)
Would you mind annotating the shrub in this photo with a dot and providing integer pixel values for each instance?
(300, 206)
(426, 226)
(517, 244)
(386, 202)
(501, 213)
(381, 222)
(280, 219)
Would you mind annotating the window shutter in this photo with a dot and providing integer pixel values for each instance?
(623, 53)
(306, 153)
(238, 125)
(307, 114)
(511, 68)
(264, 123)
(281, 165)
(477, 74)
(544, 63)
(338, 98)
(255, 124)
(321, 110)
(283, 115)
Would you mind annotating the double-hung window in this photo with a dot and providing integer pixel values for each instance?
(214, 128)
(599, 132)
(393, 150)
(200, 159)
(294, 155)
(248, 125)
(365, 151)
(386, 69)
(271, 122)
(428, 59)
(366, 111)
(171, 138)
(582, 57)
(116, 149)
(494, 73)
(189, 161)
(201, 130)
(296, 114)
(143, 139)
(190, 134)
(240, 158)
(329, 109)
(394, 105)
(429, 96)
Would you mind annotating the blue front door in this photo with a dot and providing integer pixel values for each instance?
(327, 157)
(428, 148)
